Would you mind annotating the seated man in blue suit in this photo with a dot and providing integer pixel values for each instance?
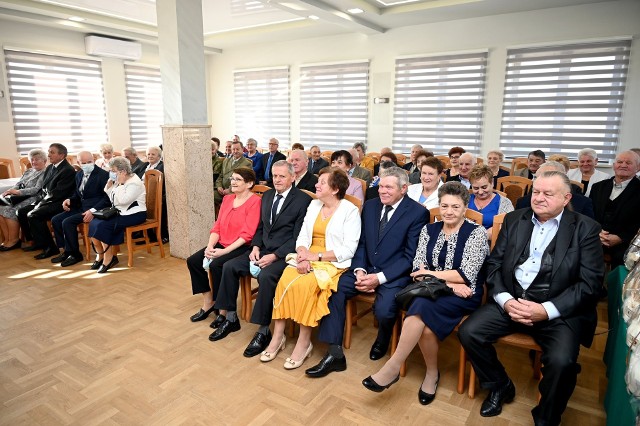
(382, 263)
(88, 197)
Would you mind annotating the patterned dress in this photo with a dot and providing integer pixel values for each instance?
(465, 252)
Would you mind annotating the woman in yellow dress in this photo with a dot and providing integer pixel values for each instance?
(326, 243)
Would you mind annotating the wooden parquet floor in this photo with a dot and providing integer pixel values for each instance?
(87, 349)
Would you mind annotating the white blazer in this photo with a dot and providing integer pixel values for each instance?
(598, 176)
(415, 191)
(342, 234)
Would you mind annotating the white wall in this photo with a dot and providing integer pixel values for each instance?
(64, 42)
(496, 33)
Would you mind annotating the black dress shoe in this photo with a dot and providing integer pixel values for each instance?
(104, 268)
(327, 364)
(201, 314)
(427, 398)
(378, 350)
(13, 247)
(61, 257)
(32, 248)
(96, 265)
(492, 405)
(165, 240)
(371, 384)
(224, 330)
(258, 344)
(48, 252)
(71, 260)
(218, 321)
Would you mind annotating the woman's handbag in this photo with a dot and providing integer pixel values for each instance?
(106, 213)
(13, 200)
(428, 286)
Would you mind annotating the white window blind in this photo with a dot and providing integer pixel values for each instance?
(144, 100)
(56, 99)
(240, 7)
(334, 104)
(439, 102)
(564, 98)
(262, 105)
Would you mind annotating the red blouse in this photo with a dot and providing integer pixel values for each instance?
(240, 222)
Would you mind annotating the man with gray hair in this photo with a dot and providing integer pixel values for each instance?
(137, 165)
(579, 203)
(303, 179)
(412, 164)
(391, 225)
(357, 171)
(465, 164)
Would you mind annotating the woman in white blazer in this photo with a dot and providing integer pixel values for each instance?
(587, 172)
(325, 246)
(426, 192)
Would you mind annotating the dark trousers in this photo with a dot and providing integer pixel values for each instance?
(34, 223)
(385, 310)
(267, 282)
(65, 228)
(560, 347)
(199, 277)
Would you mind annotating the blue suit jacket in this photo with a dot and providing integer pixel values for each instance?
(393, 253)
(93, 195)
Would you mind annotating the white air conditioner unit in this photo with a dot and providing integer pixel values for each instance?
(112, 48)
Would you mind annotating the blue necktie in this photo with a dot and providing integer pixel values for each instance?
(267, 172)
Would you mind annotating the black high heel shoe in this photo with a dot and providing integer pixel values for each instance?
(371, 384)
(104, 268)
(427, 398)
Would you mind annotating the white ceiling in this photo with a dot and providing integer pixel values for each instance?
(268, 21)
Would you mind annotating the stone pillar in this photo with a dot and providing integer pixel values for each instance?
(186, 134)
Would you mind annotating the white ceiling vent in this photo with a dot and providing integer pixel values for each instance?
(112, 48)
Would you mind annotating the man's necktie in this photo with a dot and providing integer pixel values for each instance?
(274, 209)
(267, 172)
(85, 178)
(311, 164)
(385, 219)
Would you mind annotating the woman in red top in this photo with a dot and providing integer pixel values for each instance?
(230, 236)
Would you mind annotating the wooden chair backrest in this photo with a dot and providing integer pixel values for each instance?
(354, 200)
(364, 185)
(153, 185)
(498, 220)
(310, 194)
(25, 164)
(518, 181)
(327, 155)
(506, 169)
(518, 163)
(260, 189)
(72, 159)
(479, 161)
(375, 156)
(6, 168)
(402, 159)
(472, 215)
(578, 184)
(444, 159)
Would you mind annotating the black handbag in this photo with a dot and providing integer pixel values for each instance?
(12, 200)
(428, 286)
(106, 213)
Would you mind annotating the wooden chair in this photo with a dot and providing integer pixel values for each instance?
(506, 169)
(260, 189)
(515, 187)
(354, 200)
(518, 163)
(363, 183)
(327, 155)
(375, 156)
(520, 340)
(310, 194)
(402, 159)
(72, 159)
(479, 161)
(6, 168)
(25, 164)
(472, 215)
(153, 185)
(83, 230)
(444, 159)
(578, 184)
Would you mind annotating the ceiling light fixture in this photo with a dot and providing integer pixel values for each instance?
(76, 19)
(314, 17)
(355, 10)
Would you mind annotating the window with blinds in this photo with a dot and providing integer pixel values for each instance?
(439, 102)
(241, 7)
(334, 105)
(564, 98)
(144, 101)
(262, 105)
(56, 99)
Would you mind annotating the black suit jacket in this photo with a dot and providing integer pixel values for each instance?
(579, 203)
(265, 159)
(93, 195)
(308, 182)
(138, 167)
(317, 166)
(577, 273)
(57, 185)
(280, 236)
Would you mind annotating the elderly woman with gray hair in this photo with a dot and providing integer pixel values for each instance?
(587, 172)
(127, 194)
(26, 189)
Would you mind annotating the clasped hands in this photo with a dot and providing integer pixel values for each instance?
(525, 311)
(304, 258)
(366, 283)
(211, 252)
(261, 262)
(609, 240)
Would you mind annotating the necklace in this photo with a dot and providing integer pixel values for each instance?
(475, 201)
(329, 210)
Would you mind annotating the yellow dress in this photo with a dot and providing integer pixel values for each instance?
(304, 298)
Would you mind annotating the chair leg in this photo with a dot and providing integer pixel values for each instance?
(348, 324)
(462, 367)
(245, 294)
(130, 248)
(537, 365)
(160, 244)
(147, 242)
(472, 383)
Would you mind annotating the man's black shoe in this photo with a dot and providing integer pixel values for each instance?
(48, 252)
(378, 350)
(224, 330)
(327, 364)
(492, 405)
(71, 260)
(61, 257)
(258, 344)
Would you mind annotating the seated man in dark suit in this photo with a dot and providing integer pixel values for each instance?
(57, 186)
(579, 203)
(282, 212)
(466, 162)
(269, 158)
(88, 197)
(412, 164)
(616, 202)
(316, 162)
(544, 276)
(303, 179)
(391, 226)
(137, 165)
(534, 161)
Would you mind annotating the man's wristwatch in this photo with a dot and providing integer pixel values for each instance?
(320, 257)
